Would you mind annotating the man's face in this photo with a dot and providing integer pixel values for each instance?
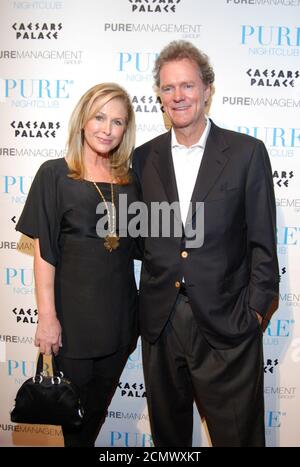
(183, 94)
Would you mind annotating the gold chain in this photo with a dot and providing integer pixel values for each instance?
(112, 240)
(111, 225)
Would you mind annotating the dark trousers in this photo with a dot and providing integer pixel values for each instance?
(97, 380)
(227, 385)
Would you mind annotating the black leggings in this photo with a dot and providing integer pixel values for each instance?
(97, 379)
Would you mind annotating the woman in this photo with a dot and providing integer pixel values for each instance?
(85, 285)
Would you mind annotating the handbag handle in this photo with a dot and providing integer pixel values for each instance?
(55, 366)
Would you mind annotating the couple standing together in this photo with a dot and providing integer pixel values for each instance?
(201, 309)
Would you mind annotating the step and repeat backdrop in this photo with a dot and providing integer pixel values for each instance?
(51, 52)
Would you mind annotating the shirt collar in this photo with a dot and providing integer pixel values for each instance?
(200, 144)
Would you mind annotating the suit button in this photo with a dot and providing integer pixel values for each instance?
(177, 284)
(184, 254)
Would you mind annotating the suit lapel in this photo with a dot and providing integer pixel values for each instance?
(213, 162)
(163, 163)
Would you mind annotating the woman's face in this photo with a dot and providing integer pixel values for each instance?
(105, 131)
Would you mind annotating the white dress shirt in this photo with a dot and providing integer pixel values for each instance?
(186, 161)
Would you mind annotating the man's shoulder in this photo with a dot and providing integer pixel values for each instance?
(154, 143)
(233, 137)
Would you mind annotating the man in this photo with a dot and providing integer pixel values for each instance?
(201, 308)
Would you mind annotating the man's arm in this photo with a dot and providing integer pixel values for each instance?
(261, 232)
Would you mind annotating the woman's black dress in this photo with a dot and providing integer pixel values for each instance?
(95, 290)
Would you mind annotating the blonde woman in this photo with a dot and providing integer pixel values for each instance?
(85, 286)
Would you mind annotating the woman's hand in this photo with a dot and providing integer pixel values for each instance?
(48, 334)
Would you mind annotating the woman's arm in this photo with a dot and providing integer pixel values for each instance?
(48, 333)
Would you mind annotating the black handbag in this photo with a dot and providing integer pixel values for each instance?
(48, 400)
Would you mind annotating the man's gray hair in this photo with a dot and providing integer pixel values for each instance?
(178, 50)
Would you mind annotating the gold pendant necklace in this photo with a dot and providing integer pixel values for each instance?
(112, 240)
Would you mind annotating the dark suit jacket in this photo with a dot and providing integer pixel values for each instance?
(235, 271)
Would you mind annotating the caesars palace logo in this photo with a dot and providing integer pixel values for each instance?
(282, 177)
(147, 104)
(25, 315)
(273, 78)
(32, 30)
(34, 129)
(131, 389)
(282, 273)
(154, 6)
(269, 365)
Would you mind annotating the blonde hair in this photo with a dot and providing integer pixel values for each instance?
(120, 157)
